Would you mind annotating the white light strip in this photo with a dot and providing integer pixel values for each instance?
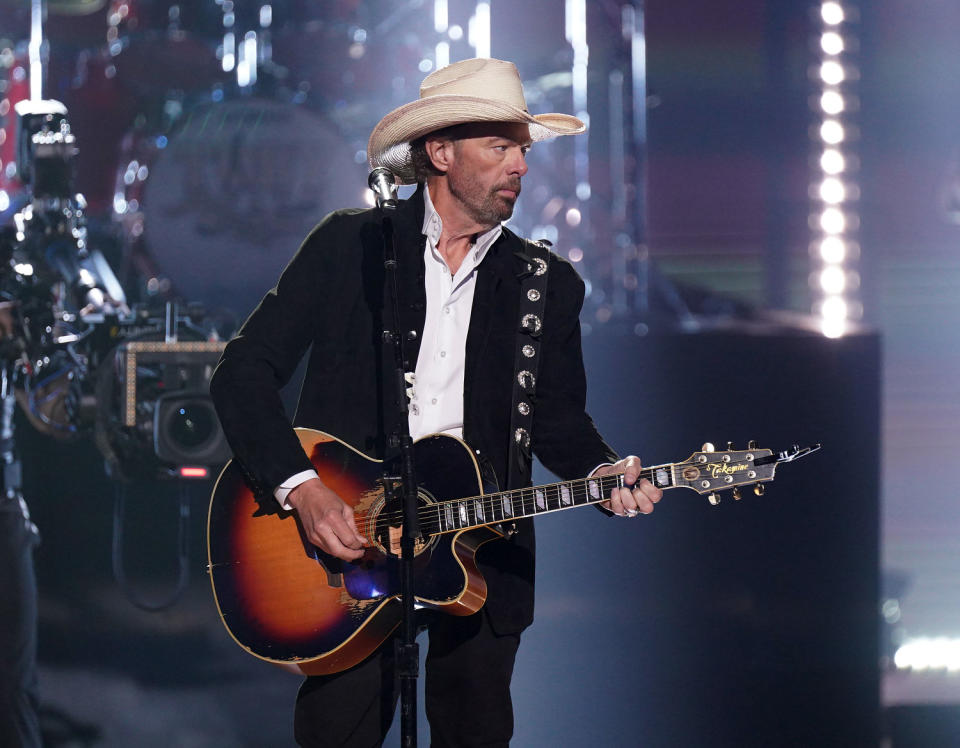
(929, 653)
(478, 29)
(441, 17)
(442, 55)
(34, 51)
(834, 279)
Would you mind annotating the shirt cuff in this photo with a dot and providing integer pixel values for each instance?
(602, 464)
(281, 492)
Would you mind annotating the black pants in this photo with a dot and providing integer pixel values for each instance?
(467, 687)
(19, 727)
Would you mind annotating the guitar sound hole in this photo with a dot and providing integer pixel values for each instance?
(388, 520)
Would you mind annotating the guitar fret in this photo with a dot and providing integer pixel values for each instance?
(527, 502)
(662, 476)
(448, 516)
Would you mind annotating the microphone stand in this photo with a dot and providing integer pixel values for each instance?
(406, 648)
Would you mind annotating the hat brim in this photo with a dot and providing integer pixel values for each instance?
(389, 144)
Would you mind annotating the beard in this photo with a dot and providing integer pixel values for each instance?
(483, 204)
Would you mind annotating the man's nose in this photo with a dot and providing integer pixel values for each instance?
(518, 164)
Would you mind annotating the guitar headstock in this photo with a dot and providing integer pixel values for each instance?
(709, 471)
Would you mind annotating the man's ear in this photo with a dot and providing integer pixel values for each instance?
(440, 152)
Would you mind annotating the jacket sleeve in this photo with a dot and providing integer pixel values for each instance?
(262, 358)
(565, 438)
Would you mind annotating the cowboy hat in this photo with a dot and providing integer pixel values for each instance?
(476, 90)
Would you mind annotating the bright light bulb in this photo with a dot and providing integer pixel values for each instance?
(832, 280)
(832, 13)
(833, 328)
(832, 221)
(833, 250)
(832, 191)
(832, 132)
(831, 72)
(833, 308)
(831, 42)
(832, 102)
(832, 161)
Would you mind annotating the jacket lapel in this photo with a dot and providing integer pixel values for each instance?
(494, 306)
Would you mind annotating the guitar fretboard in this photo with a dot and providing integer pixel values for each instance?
(506, 506)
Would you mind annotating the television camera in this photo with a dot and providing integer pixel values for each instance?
(83, 359)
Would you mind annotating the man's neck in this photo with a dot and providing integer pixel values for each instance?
(459, 229)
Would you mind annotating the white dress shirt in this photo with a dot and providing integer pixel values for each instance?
(436, 405)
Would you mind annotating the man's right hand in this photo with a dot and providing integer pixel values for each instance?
(327, 520)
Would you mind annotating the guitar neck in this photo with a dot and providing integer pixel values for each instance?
(506, 506)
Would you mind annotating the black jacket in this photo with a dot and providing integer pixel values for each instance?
(330, 299)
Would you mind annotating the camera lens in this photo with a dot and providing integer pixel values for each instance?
(191, 424)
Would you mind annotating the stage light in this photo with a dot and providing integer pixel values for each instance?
(194, 472)
(478, 29)
(442, 54)
(929, 653)
(832, 191)
(832, 43)
(832, 280)
(832, 132)
(440, 16)
(832, 102)
(833, 250)
(832, 161)
(832, 13)
(4, 200)
(832, 221)
(832, 72)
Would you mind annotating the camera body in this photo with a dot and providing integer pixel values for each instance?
(82, 360)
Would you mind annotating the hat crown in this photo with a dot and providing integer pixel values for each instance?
(481, 78)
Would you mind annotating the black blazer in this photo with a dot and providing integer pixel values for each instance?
(330, 299)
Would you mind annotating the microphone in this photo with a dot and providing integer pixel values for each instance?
(384, 188)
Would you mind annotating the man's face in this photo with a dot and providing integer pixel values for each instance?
(488, 162)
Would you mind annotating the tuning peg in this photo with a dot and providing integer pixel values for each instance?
(736, 493)
(713, 498)
(758, 489)
(751, 444)
(730, 446)
(708, 447)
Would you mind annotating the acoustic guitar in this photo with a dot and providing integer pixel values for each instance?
(287, 602)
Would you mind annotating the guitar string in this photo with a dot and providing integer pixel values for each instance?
(551, 493)
(429, 515)
(493, 503)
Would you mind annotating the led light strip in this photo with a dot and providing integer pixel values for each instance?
(835, 221)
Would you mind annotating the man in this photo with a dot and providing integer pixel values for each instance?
(465, 142)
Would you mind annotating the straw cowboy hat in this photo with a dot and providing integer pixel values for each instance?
(477, 90)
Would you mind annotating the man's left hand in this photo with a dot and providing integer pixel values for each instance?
(637, 496)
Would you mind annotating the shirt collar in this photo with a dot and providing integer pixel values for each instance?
(433, 228)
